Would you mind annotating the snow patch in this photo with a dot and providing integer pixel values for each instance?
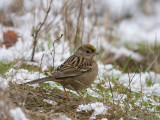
(104, 119)
(64, 117)
(44, 69)
(18, 114)
(19, 76)
(3, 83)
(97, 107)
(50, 101)
(122, 51)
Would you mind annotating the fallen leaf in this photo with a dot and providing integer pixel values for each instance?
(9, 38)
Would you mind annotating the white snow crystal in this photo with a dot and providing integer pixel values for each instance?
(97, 107)
(104, 119)
(18, 114)
(50, 101)
(18, 76)
(44, 68)
(3, 83)
(64, 117)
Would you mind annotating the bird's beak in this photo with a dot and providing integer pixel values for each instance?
(96, 53)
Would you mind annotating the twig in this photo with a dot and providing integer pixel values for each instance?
(141, 85)
(111, 89)
(53, 55)
(37, 29)
(155, 44)
(77, 29)
(41, 64)
(94, 23)
(151, 64)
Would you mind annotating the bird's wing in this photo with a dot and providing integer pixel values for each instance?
(74, 66)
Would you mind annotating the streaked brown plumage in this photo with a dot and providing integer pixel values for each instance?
(78, 72)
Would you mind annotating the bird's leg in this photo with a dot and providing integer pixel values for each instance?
(84, 102)
(69, 98)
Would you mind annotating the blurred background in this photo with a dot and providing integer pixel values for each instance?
(120, 30)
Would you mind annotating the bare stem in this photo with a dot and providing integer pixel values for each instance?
(37, 29)
(77, 28)
(53, 55)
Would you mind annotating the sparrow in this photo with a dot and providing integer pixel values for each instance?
(78, 72)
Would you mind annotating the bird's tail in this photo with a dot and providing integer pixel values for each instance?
(40, 80)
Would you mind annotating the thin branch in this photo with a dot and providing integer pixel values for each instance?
(111, 89)
(37, 30)
(53, 55)
(155, 44)
(78, 19)
(151, 64)
(41, 65)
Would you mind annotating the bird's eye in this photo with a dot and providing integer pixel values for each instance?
(87, 51)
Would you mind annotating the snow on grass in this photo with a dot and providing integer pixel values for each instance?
(120, 51)
(136, 81)
(97, 107)
(64, 117)
(18, 114)
(61, 116)
(104, 119)
(3, 83)
(50, 101)
(44, 69)
(18, 76)
(22, 75)
(124, 51)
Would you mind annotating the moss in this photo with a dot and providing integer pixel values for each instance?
(4, 67)
(149, 82)
(30, 68)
